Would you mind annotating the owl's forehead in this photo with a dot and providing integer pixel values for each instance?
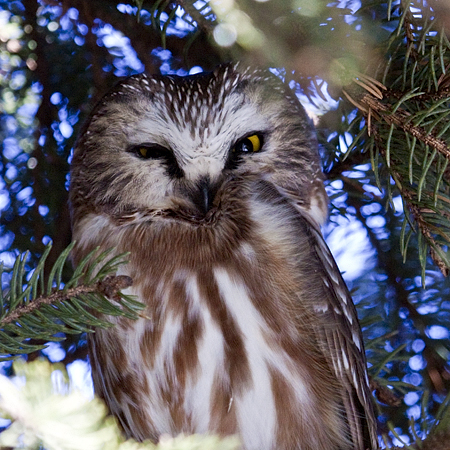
(198, 105)
(203, 112)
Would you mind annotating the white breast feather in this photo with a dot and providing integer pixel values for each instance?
(210, 356)
(256, 409)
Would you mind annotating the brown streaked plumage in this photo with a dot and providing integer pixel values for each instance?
(213, 183)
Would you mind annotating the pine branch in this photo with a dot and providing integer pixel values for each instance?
(110, 284)
(384, 394)
(36, 309)
(404, 123)
(399, 117)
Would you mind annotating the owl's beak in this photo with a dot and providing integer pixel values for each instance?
(204, 194)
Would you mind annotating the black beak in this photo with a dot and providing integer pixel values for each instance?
(204, 194)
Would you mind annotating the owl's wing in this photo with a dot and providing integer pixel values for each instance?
(340, 338)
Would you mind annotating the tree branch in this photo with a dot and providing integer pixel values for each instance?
(401, 118)
(109, 287)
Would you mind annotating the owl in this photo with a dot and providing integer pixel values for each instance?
(213, 183)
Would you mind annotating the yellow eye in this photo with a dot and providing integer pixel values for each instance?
(143, 151)
(151, 151)
(256, 142)
(250, 144)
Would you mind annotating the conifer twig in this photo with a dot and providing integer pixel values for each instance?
(109, 287)
(400, 118)
(34, 308)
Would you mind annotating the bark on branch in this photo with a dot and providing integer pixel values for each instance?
(109, 287)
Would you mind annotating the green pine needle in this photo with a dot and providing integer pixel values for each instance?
(35, 309)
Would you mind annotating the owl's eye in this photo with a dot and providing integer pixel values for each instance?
(151, 151)
(156, 151)
(249, 144)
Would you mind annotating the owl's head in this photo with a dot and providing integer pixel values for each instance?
(166, 143)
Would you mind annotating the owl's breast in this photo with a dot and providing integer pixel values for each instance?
(219, 354)
(226, 345)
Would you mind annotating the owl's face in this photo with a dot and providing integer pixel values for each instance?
(171, 144)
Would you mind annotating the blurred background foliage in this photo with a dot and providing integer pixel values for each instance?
(374, 76)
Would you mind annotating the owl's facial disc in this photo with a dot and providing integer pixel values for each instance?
(197, 179)
(166, 146)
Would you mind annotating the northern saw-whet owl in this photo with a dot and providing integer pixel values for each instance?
(212, 182)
